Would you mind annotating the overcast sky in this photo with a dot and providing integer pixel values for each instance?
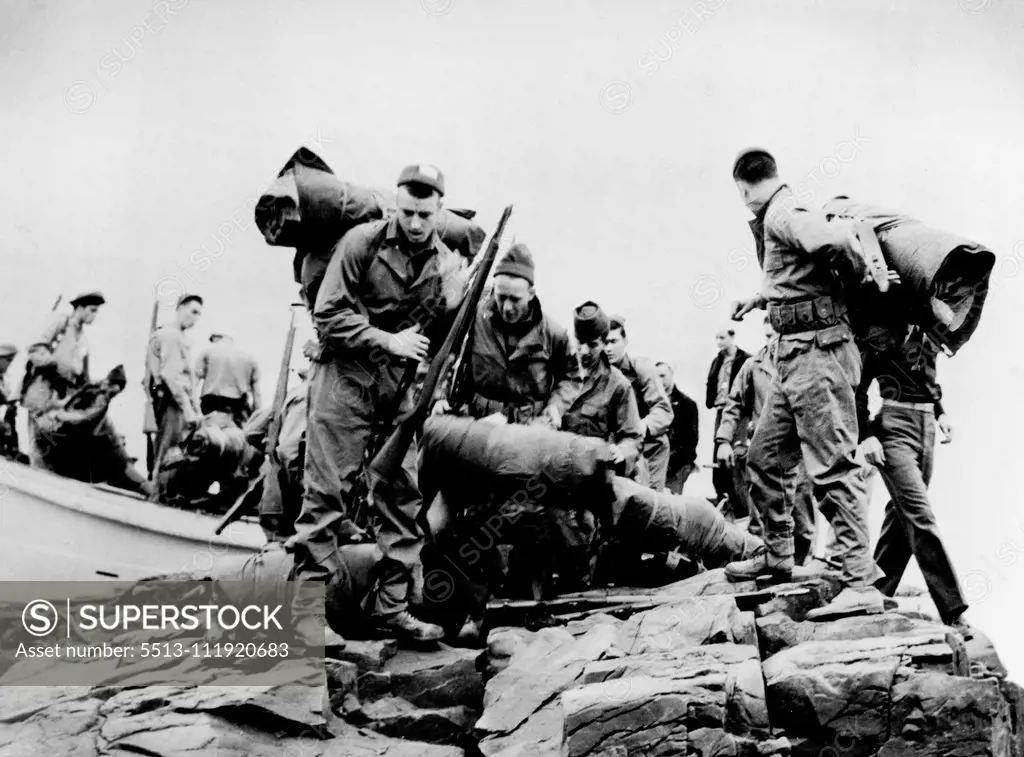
(135, 137)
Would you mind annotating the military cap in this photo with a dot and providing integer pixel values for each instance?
(590, 322)
(186, 298)
(88, 298)
(518, 261)
(749, 151)
(8, 350)
(424, 175)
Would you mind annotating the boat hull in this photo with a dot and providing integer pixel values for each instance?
(57, 529)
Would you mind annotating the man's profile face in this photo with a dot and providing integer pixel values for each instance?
(615, 346)
(89, 313)
(755, 196)
(417, 217)
(590, 352)
(665, 374)
(723, 339)
(513, 296)
(189, 314)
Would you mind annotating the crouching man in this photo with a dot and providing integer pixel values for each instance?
(77, 440)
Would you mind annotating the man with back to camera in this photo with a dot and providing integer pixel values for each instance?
(811, 406)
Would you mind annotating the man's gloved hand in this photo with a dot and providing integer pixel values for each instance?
(725, 455)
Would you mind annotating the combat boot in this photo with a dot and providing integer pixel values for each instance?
(312, 630)
(404, 626)
(850, 601)
(763, 566)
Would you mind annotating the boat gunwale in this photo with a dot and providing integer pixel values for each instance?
(137, 513)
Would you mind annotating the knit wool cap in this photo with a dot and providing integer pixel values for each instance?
(590, 322)
(518, 261)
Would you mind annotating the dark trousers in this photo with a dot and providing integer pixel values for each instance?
(908, 439)
(170, 423)
(677, 475)
(731, 481)
(810, 411)
(346, 402)
(236, 407)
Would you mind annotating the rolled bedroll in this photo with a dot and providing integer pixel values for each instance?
(309, 208)
(658, 522)
(947, 274)
(465, 455)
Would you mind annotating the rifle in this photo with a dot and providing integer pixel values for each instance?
(388, 460)
(29, 368)
(150, 410)
(569, 607)
(246, 502)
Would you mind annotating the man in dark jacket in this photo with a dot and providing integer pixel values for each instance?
(683, 434)
(900, 441)
(651, 401)
(724, 369)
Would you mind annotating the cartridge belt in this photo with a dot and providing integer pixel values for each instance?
(928, 407)
(792, 317)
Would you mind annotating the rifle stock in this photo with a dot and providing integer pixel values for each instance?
(244, 502)
(388, 460)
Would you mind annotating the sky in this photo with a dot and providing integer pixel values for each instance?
(136, 136)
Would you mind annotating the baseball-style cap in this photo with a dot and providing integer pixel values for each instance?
(426, 175)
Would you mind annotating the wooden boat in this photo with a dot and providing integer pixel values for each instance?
(58, 529)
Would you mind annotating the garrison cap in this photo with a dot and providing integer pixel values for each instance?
(424, 175)
(187, 298)
(117, 376)
(88, 298)
(8, 350)
(590, 322)
(518, 261)
(749, 151)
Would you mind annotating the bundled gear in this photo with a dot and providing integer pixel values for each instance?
(309, 208)
(214, 452)
(504, 472)
(944, 277)
(77, 440)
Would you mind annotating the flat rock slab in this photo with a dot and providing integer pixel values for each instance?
(398, 718)
(188, 724)
(820, 690)
(684, 623)
(733, 669)
(936, 714)
(541, 669)
(642, 715)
